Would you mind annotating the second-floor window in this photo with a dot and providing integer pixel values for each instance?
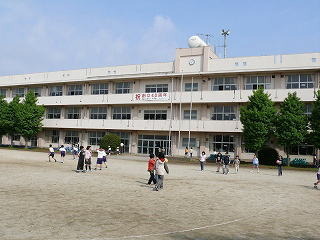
(299, 81)
(223, 84)
(186, 114)
(55, 91)
(99, 88)
(73, 113)
(223, 113)
(123, 87)
(156, 88)
(256, 82)
(74, 90)
(98, 113)
(121, 113)
(188, 87)
(155, 114)
(53, 113)
(18, 92)
(3, 92)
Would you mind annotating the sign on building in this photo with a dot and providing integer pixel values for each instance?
(161, 96)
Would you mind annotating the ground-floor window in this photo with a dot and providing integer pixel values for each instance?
(302, 150)
(72, 137)
(95, 137)
(222, 143)
(153, 144)
(16, 137)
(193, 142)
(125, 139)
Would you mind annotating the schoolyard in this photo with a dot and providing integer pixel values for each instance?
(41, 200)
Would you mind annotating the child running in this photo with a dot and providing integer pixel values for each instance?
(315, 185)
(51, 153)
(87, 158)
(101, 153)
(62, 153)
(151, 165)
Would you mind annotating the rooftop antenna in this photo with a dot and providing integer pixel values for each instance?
(225, 33)
(207, 37)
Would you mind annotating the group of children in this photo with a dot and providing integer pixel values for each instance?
(157, 167)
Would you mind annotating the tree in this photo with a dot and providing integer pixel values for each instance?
(13, 109)
(315, 122)
(4, 117)
(291, 127)
(111, 140)
(258, 118)
(30, 116)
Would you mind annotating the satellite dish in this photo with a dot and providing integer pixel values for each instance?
(195, 42)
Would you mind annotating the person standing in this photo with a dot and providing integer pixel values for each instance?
(315, 161)
(109, 150)
(315, 185)
(255, 163)
(226, 162)
(203, 158)
(151, 167)
(279, 165)
(87, 158)
(100, 152)
(74, 151)
(51, 153)
(160, 171)
(186, 152)
(62, 153)
(218, 161)
(236, 163)
(190, 152)
(81, 160)
(104, 158)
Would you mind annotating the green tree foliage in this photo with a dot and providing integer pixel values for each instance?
(4, 117)
(291, 127)
(315, 122)
(13, 108)
(29, 117)
(258, 118)
(111, 140)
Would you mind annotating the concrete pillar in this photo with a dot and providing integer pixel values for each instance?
(134, 143)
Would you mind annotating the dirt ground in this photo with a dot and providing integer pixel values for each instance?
(42, 200)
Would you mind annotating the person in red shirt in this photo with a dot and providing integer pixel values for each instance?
(151, 165)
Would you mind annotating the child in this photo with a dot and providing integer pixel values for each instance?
(186, 152)
(160, 170)
(315, 185)
(255, 163)
(51, 153)
(218, 161)
(87, 158)
(104, 158)
(203, 158)
(226, 162)
(74, 151)
(190, 152)
(62, 153)
(279, 165)
(81, 160)
(100, 152)
(151, 165)
(236, 163)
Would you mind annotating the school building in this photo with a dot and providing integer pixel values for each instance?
(192, 101)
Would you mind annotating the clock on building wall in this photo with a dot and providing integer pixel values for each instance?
(192, 61)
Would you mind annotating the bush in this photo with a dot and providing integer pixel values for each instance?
(111, 140)
(300, 162)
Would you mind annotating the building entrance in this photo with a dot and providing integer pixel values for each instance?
(153, 144)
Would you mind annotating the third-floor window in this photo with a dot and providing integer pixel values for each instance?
(256, 82)
(55, 91)
(187, 116)
(123, 87)
(152, 88)
(223, 84)
(121, 113)
(18, 92)
(74, 90)
(73, 113)
(299, 81)
(36, 91)
(53, 113)
(188, 87)
(155, 114)
(99, 88)
(223, 113)
(98, 113)
(3, 92)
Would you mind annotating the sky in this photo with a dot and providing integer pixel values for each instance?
(46, 35)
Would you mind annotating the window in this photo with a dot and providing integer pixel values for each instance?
(222, 143)
(74, 90)
(53, 113)
(98, 113)
(256, 82)
(188, 87)
(73, 113)
(123, 87)
(223, 113)
(3, 92)
(53, 135)
(186, 114)
(95, 137)
(36, 91)
(193, 142)
(72, 137)
(156, 88)
(16, 137)
(55, 91)
(99, 88)
(155, 114)
(299, 81)
(303, 149)
(18, 92)
(125, 139)
(223, 84)
(308, 109)
(121, 113)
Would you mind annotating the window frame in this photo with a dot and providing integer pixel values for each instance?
(98, 113)
(224, 84)
(120, 87)
(53, 114)
(155, 114)
(55, 91)
(189, 86)
(223, 115)
(73, 113)
(295, 81)
(71, 139)
(17, 92)
(99, 88)
(255, 81)
(95, 137)
(74, 90)
(194, 114)
(120, 113)
(215, 142)
(156, 88)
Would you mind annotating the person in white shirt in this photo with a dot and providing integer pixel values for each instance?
(190, 152)
(236, 163)
(62, 153)
(101, 153)
(75, 151)
(51, 153)
(203, 158)
(255, 163)
(87, 158)
(105, 158)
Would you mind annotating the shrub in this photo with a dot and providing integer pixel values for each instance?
(111, 140)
